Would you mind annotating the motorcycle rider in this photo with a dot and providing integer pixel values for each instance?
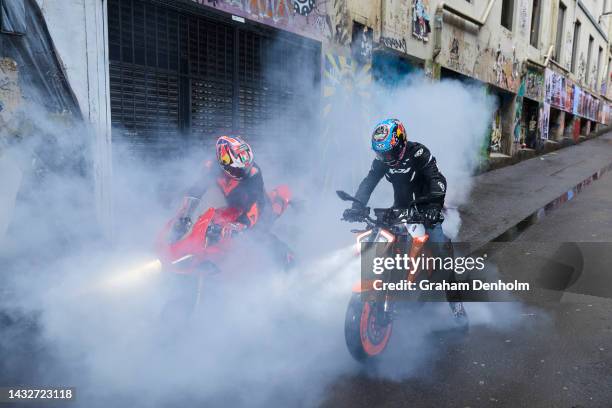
(240, 180)
(412, 170)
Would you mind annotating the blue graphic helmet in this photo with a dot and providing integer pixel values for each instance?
(389, 141)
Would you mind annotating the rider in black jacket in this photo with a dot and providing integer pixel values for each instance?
(409, 167)
(414, 174)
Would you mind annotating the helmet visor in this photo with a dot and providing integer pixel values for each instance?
(235, 172)
(388, 157)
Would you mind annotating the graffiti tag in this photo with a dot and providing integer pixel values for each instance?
(395, 43)
(275, 9)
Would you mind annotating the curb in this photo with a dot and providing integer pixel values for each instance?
(513, 232)
(525, 154)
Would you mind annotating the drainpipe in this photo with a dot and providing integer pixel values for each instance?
(479, 22)
(437, 35)
(549, 55)
(485, 15)
(439, 17)
(382, 17)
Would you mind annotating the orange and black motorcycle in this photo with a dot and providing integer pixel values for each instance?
(371, 310)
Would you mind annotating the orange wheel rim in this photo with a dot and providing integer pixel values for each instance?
(374, 338)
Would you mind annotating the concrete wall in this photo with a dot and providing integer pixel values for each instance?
(79, 32)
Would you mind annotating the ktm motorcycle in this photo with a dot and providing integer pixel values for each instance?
(371, 312)
(190, 257)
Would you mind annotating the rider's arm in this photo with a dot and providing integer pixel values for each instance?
(252, 213)
(369, 183)
(432, 175)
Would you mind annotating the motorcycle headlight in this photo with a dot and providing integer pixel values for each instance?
(385, 236)
(362, 237)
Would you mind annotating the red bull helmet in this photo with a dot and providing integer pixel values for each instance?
(389, 141)
(234, 156)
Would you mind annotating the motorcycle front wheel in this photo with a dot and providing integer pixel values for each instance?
(366, 335)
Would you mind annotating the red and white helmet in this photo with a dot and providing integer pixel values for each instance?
(234, 156)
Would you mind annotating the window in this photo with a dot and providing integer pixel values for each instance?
(560, 23)
(534, 36)
(506, 14)
(599, 54)
(588, 62)
(575, 42)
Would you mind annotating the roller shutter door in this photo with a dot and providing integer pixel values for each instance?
(180, 76)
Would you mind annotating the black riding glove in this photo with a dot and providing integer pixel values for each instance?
(181, 226)
(433, 214)
(355, 214)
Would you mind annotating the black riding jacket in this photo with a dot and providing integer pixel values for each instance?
(415, 177)
(247, 195)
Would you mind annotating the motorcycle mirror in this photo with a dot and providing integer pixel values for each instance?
(344, 196)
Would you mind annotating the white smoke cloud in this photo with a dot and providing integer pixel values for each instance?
(266, 337)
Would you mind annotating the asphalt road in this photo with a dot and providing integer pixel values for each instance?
(537, 354)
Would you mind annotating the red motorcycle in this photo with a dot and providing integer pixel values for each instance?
(196, 254)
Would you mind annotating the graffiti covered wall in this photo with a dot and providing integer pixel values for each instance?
(407, 26)
(317, 19)
(10, 92)
(534, 85)
(490, 62)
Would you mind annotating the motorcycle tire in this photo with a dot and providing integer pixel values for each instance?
(365, 339)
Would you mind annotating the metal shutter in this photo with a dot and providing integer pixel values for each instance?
(179, 76)
(144, 77)
(211, 66)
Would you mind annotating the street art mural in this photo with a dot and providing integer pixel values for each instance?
(578, 98)
(569, 95)
(559, 91)
(496, 133)
(462, 52)
(453, 59)
(554, 89)
(318, 19)
(346, 85)
(420, 20)
(344, 80)
(585, 104)
(534, 85)
(506, 71)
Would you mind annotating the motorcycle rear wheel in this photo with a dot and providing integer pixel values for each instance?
(366, 338)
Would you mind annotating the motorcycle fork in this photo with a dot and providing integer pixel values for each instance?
(386, 311)
(416, 247)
